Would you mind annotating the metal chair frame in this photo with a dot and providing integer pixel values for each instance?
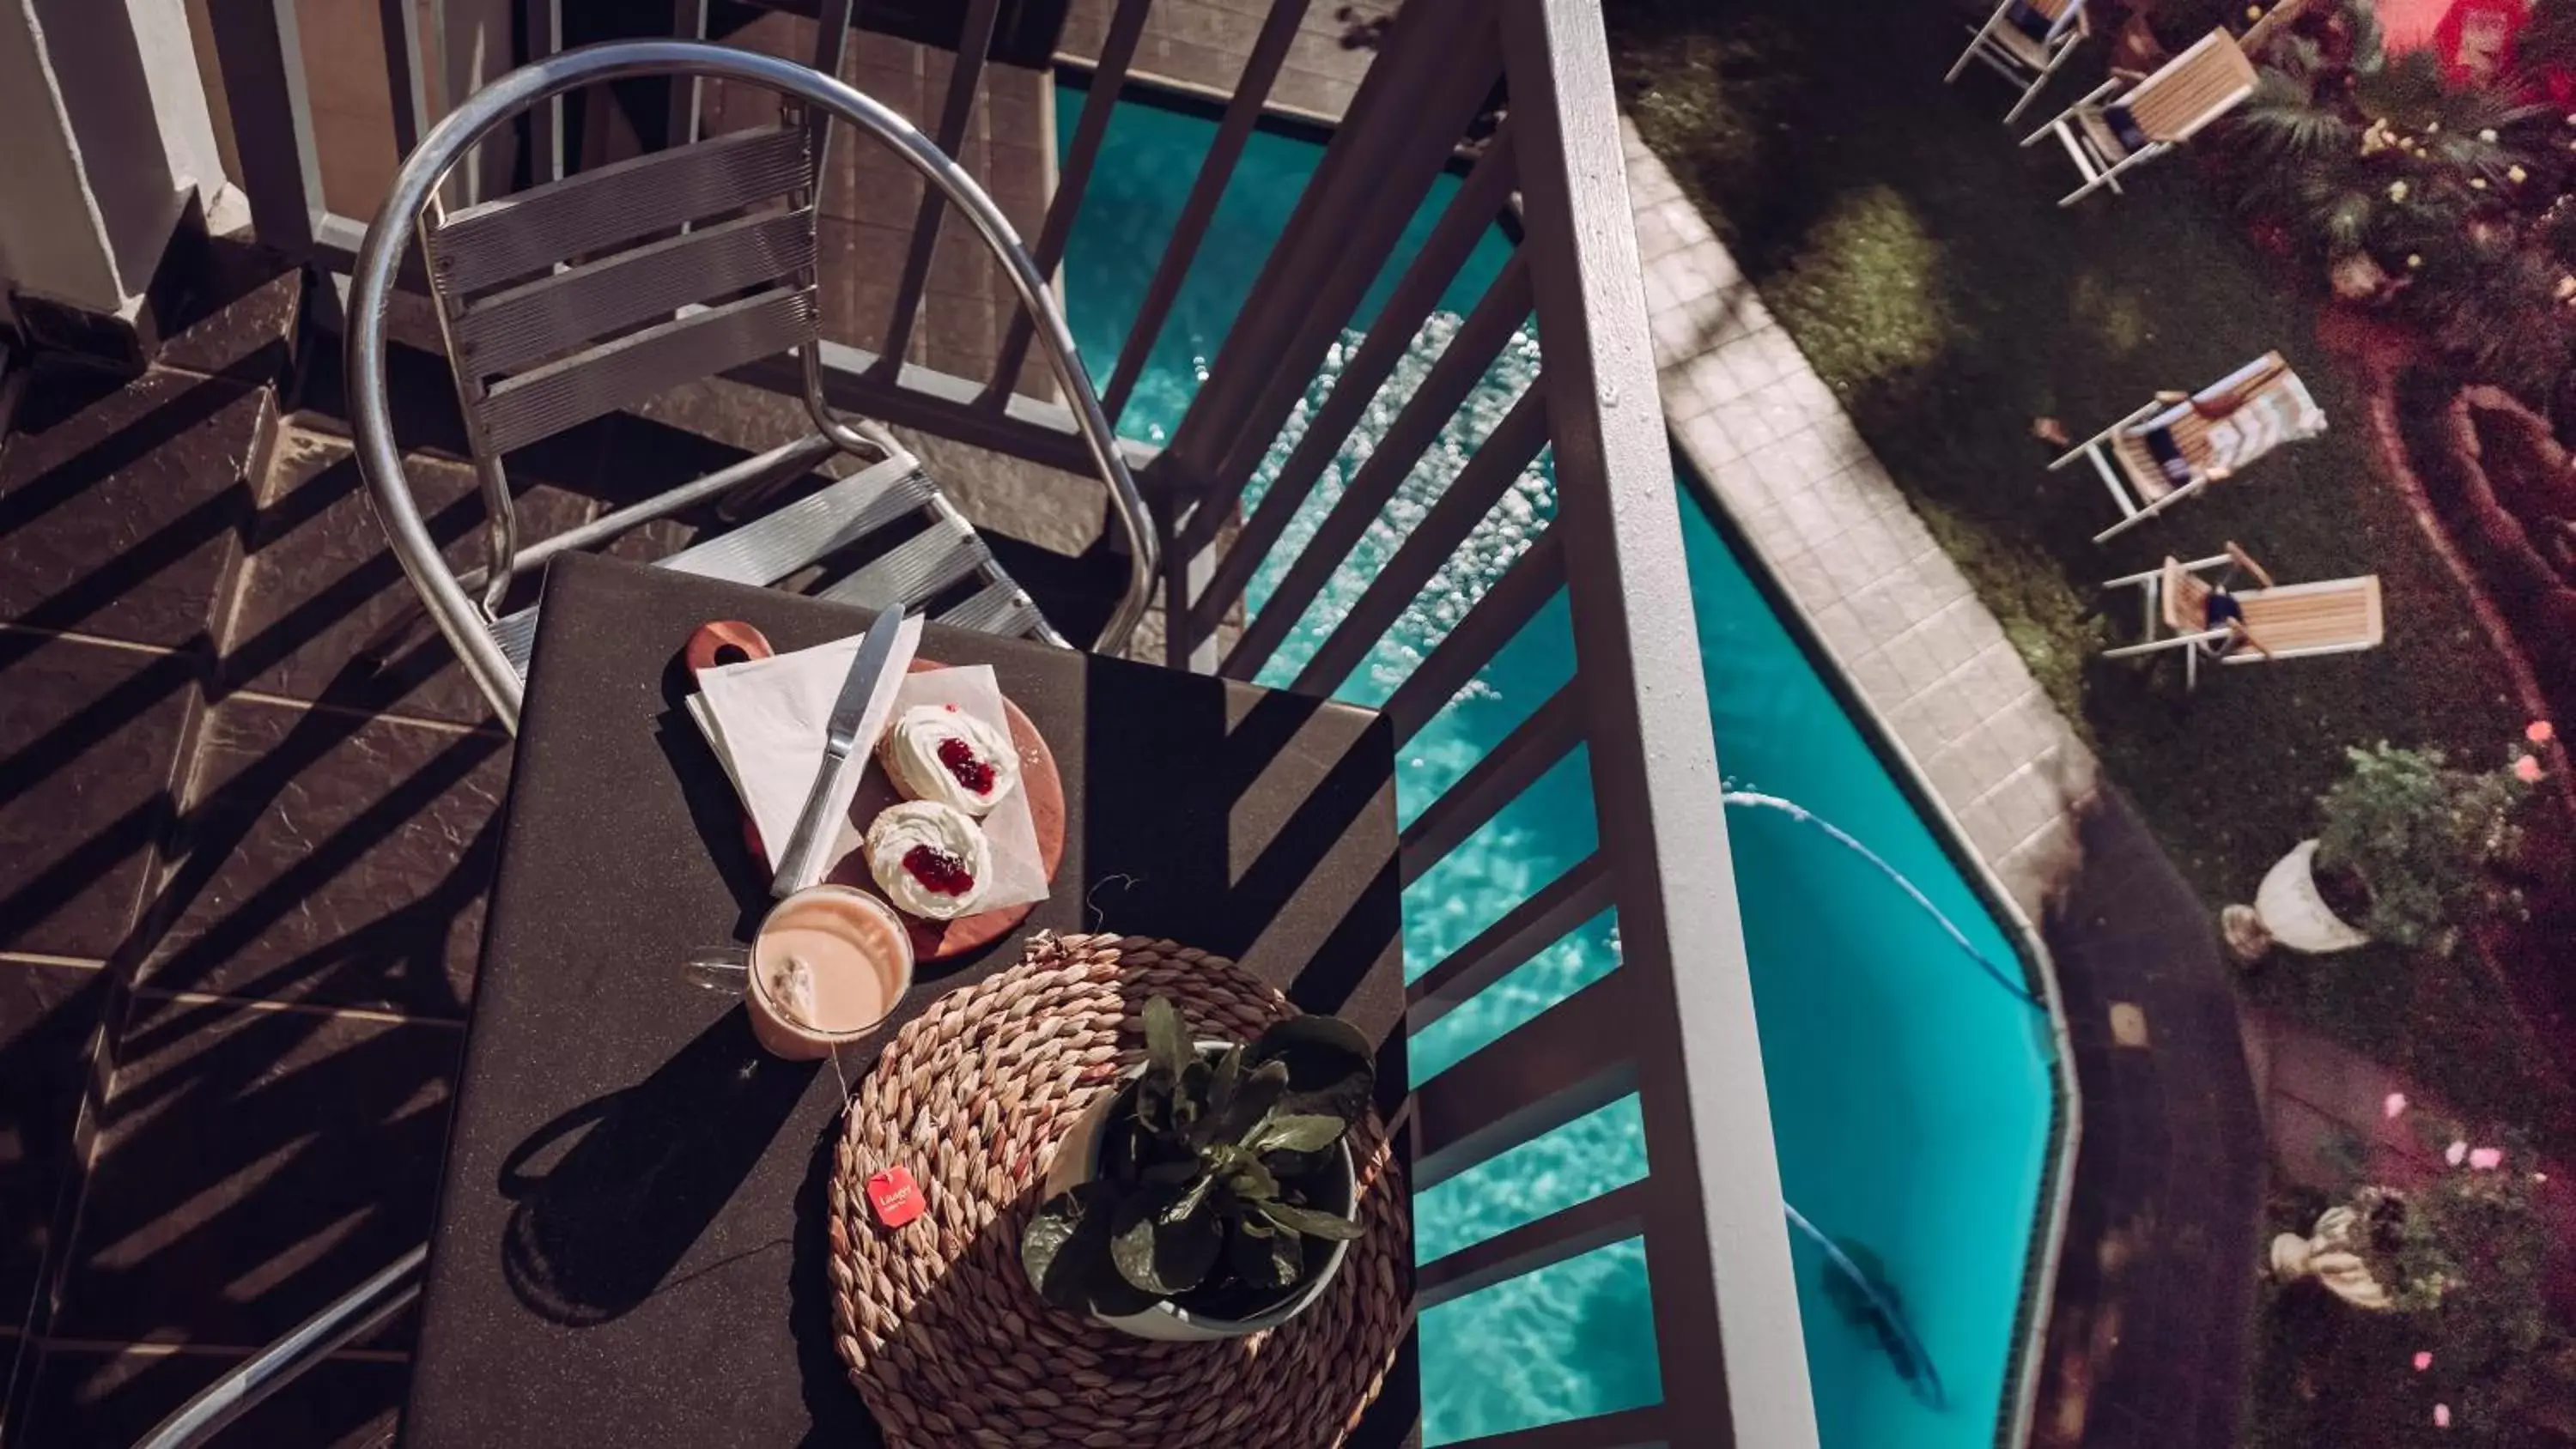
(468, 620)
(504, 416)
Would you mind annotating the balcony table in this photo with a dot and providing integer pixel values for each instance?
(630, 1240)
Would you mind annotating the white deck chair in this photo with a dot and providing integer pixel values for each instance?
(2294, 621)
(2026, 41)
(2107, 134)
(2219, 431)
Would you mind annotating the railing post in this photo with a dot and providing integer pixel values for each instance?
(262, 59)
(1717, 1250)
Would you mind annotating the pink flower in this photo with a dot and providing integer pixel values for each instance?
(2423, 1359)
(2527, 769)
(2487, 1159)
(2455, 1153)
(2394, 1107)
(2540, 732)
(2441, 1416)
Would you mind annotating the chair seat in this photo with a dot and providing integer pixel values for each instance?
(2106, 143)
(2139, 464)
(917, 572)
(2019, 45)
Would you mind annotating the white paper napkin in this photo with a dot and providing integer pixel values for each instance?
(766, 720)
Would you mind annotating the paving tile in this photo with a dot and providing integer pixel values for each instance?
(1910, 721)
(1708, 376)
(323, 599)
(1917, 668)
(1850, 574)
(1946, 634)
(1706, 439)
(119, 505)
(1874, 545)
(1812, 517)
(1681, 401)
(90, 736)
(1659, 291)
(253, 1164)
(326, 857)
(1955, 774)
(1876, 678)
(86, 1397)
(1954, 712)
(237, 314)
(1655, 236)
(1841, 629)
(1810, 583)
(48, 1015)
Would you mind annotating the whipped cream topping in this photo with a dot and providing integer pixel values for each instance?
(939, 752)
(930, 859)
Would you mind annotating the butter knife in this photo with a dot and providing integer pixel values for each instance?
(803, 862)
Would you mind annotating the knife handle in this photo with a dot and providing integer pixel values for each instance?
(801, 863)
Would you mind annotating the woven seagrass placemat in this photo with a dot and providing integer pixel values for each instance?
(941, 1331)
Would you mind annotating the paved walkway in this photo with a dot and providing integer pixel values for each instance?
(1758, 424)
(2151, 1300)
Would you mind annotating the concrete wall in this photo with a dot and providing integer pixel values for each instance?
(107, 140)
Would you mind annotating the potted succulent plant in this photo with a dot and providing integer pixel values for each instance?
(2404, 857)
(1212, 1194)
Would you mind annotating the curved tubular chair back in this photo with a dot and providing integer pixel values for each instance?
(588, 295)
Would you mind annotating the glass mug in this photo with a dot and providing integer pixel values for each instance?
(828, 965)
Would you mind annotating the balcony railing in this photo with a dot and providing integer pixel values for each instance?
(1674, 1023)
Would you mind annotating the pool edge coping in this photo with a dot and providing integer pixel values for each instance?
(1745, 372)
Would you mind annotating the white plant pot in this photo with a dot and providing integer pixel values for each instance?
(2296, 914)
(1077, 1161)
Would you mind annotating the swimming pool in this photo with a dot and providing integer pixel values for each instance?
(1911, 1095)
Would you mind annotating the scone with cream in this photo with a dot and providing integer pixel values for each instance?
(930, 859)
(940, 752)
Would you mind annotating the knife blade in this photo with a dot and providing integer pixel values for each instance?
(801, 861)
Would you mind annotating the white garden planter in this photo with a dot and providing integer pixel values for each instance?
(2295, 914)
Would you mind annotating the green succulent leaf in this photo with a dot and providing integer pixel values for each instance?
(1289, 1133)
(1264, 1257)
(1250, 1182)
(1191, 1203)
(1331, 1069)
(1159, 1253)
(1154, 1103)
(1227, 1076)
(1168, 1052)
(1065, 1251)
(1260, 1091)
(1312, 1222)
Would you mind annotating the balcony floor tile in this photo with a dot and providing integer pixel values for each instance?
(328, 858)
(90, 735)
(119, 504)
(47, 1016)
(252, 1165)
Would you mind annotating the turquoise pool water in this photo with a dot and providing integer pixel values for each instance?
(1910, 1094)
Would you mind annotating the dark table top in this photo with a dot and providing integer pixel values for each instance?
(630, 1237)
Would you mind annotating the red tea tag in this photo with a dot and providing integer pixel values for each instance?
(894, 1195)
